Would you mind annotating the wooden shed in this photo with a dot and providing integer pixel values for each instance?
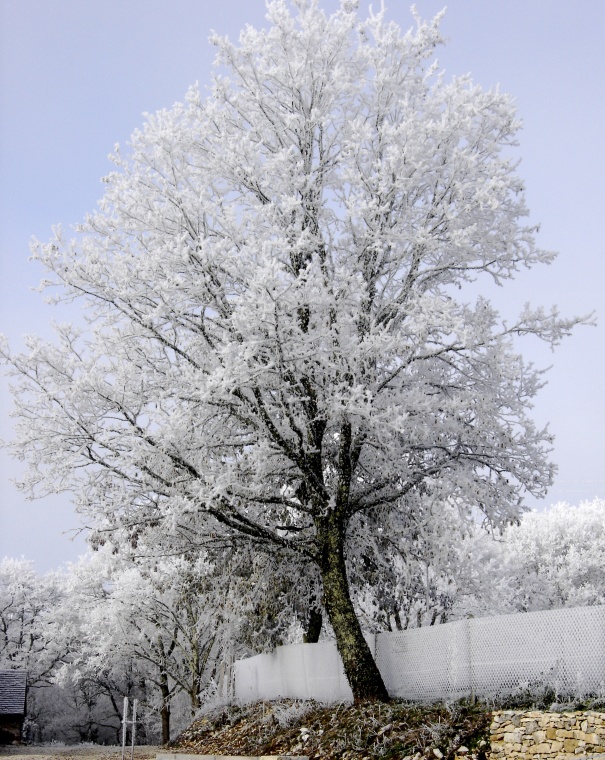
(13, 687)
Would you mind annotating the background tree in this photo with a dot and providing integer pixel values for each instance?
(41, 633)
(162, 630)
(172, 618)
(279, 342)
(29, 634)
(26, 626)
(100, 672)
(548, 560)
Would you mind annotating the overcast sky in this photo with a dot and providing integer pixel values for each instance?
(77, 75)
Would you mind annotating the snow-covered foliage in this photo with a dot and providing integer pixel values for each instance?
(166, 623)
(37, 635)
(415, 577)
(109, 630)
(550, 559)
(28, 630)
(165, 631)
(279, 348)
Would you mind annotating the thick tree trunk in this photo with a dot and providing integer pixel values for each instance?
(360, 668)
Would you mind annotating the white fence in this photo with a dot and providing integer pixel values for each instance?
(299, 671)
(561, 649)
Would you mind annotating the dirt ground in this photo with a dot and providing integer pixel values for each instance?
(78, 753)
(367, 731)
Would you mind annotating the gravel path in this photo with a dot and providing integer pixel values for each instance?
(78, 753)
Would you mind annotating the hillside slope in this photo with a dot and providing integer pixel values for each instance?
(346, 732)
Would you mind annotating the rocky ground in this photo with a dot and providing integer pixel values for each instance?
(346, 732)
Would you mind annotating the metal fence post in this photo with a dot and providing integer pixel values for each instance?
(124, 719)
(133, 723)
(471, 672)
(134, 727)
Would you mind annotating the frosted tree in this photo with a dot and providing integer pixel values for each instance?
(99, 671)
(28, 630)
(166, 630)
(33, 636)
(559, 556)
(548, 560)
(278, 341)
(172, 618)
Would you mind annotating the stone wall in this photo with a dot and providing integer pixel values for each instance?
(547, 735)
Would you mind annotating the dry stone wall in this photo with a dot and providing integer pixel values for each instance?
(547, 735)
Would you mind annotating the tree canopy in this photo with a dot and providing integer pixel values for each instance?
(279, 348)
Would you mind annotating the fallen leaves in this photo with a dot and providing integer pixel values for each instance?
(347, 732)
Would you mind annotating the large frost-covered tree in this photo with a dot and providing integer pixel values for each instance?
(278, 348)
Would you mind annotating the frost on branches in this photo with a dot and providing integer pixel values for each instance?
(549, 560)
(279, 349)
(166, 622)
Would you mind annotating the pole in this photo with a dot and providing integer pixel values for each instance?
(133, 730)
(125, 716)
(134, 727)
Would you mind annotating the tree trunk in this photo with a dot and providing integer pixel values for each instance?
(314, 623)
(165, 710)
(360, 668)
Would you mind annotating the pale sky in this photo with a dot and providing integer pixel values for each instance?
(77, 75)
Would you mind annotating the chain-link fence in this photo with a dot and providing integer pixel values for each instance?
(558, 650)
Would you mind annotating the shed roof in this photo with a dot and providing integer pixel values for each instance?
(12, 692)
